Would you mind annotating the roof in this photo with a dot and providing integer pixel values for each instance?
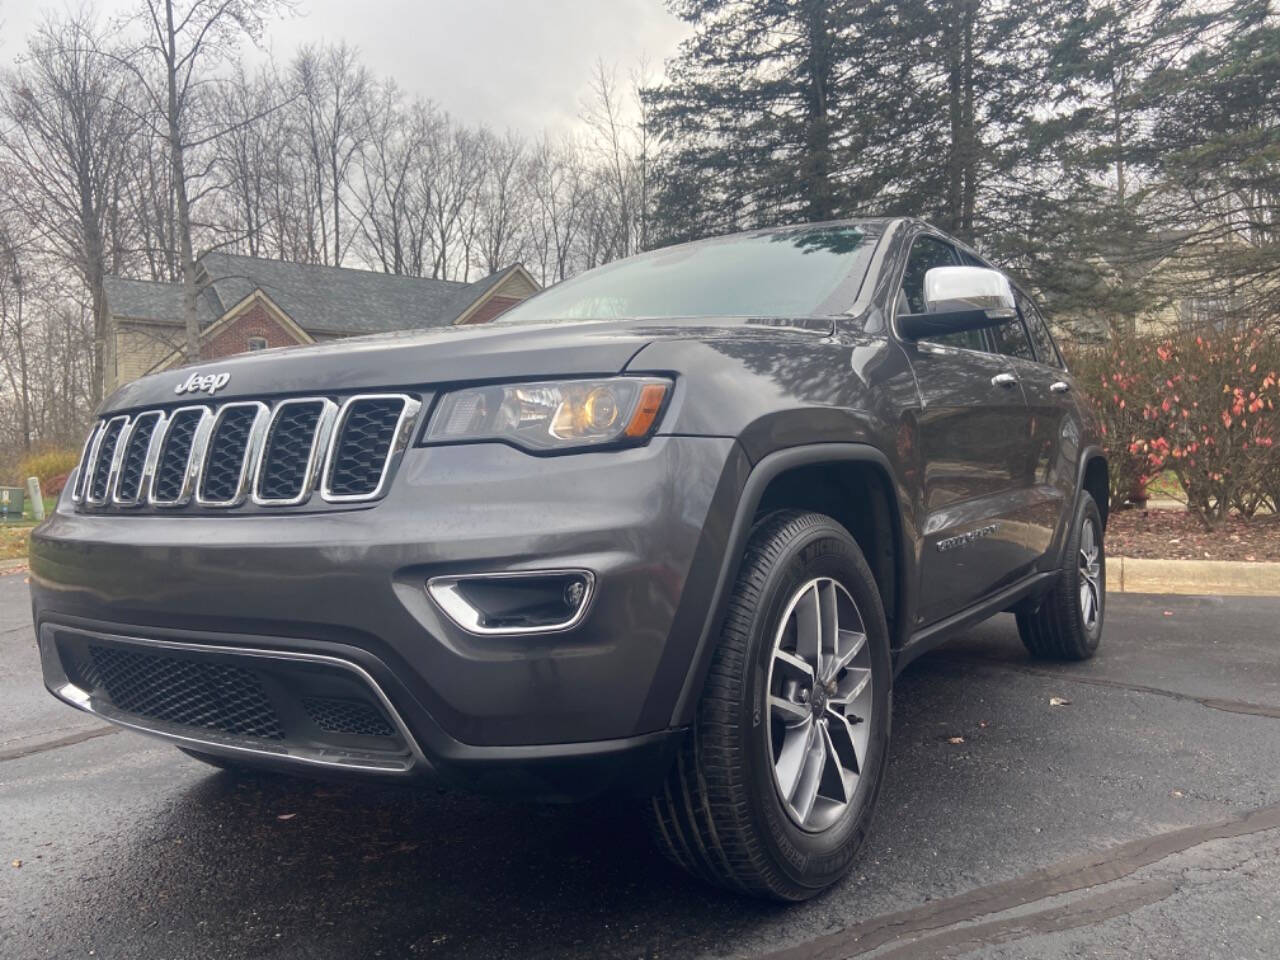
(152, 301)
(320, 299)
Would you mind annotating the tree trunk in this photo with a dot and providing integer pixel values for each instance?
(190, 320)
(1117, 84)
(962, 160)
(818, 133)
(24, 376)
(969, 123)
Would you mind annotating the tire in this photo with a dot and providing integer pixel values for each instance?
(1063, 627)
(722, 814)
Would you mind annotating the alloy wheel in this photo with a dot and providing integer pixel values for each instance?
(1090, 575)
(820, 704)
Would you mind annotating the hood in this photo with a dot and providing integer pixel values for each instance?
(409, 359)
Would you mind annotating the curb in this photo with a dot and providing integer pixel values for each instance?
(1229, 578)
(1226, 578)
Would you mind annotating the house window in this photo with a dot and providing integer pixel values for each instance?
(257, 343)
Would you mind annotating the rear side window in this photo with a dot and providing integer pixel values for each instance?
(1012, 340)
(1046, 349)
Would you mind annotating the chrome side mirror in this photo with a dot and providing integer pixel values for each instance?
(958, 299)
(969, 288)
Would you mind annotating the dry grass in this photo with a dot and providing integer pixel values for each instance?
(13, 541)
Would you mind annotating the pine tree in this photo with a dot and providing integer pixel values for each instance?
(760, 108)
(1214, 148)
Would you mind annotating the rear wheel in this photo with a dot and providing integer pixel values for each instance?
(773, 791)
(1068, 623)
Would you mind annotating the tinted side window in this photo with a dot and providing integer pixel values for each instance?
(1011, 340)
(1046, 349)
(927, 253)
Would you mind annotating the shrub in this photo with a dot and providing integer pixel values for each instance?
(1118, 378)
(47, 465)
(1214, 419)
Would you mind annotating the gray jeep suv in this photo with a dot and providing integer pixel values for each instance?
(669, 529)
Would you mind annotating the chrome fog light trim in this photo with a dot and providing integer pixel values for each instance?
(448, 596)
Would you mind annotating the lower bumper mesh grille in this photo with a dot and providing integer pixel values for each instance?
(192, 693)
(351, 717)
(282, 705)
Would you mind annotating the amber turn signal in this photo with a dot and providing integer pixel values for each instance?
(647, 410)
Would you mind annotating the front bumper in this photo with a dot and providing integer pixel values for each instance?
(561, 714)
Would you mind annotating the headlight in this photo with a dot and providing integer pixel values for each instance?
(556, 415)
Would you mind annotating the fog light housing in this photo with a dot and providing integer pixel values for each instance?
(498, 604)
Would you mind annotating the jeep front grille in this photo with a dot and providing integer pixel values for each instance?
(169, 487)
(225, 455)
(142, 433)
(101, 473)
(357, 463)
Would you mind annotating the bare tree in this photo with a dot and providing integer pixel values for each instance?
(447, 184)
(185, 40)
(558, 186)
(250, 156)
(14, 323)
(65, 127)
(503, 201)
(334, 88)
(392, 212)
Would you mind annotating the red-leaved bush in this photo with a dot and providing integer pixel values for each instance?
(1204, 405)
(1119, 379)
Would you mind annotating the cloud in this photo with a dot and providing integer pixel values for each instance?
(523, 64)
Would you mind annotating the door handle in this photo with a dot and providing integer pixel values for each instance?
(1060, 386)
(1003, 380)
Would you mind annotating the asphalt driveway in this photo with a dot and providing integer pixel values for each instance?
(1140, 818)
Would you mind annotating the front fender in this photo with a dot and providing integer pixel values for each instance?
(697, 655)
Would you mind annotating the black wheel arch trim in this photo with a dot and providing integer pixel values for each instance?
(1087, 456)
(752, 492)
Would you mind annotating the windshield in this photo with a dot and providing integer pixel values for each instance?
(779, 273)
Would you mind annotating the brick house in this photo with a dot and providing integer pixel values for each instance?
(246, 303)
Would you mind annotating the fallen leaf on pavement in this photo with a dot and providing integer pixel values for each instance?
(1059, 702)
(1175, 793)
(286, 816)
(16, 863)
(955, 739)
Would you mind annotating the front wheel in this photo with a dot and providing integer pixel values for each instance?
(773, 791)
(1068, 623)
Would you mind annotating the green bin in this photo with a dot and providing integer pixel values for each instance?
(11, 503)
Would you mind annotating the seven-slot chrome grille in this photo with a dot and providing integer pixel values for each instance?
(225, 455)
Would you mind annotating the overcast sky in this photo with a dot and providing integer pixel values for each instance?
(509, 63)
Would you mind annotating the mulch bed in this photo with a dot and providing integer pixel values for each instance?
(1178, 535)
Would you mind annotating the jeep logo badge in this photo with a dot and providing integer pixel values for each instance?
(210, 383)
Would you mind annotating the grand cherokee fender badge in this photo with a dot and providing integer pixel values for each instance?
(210, 383)
(964, 539)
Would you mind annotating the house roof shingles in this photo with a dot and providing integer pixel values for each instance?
(321, 300)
